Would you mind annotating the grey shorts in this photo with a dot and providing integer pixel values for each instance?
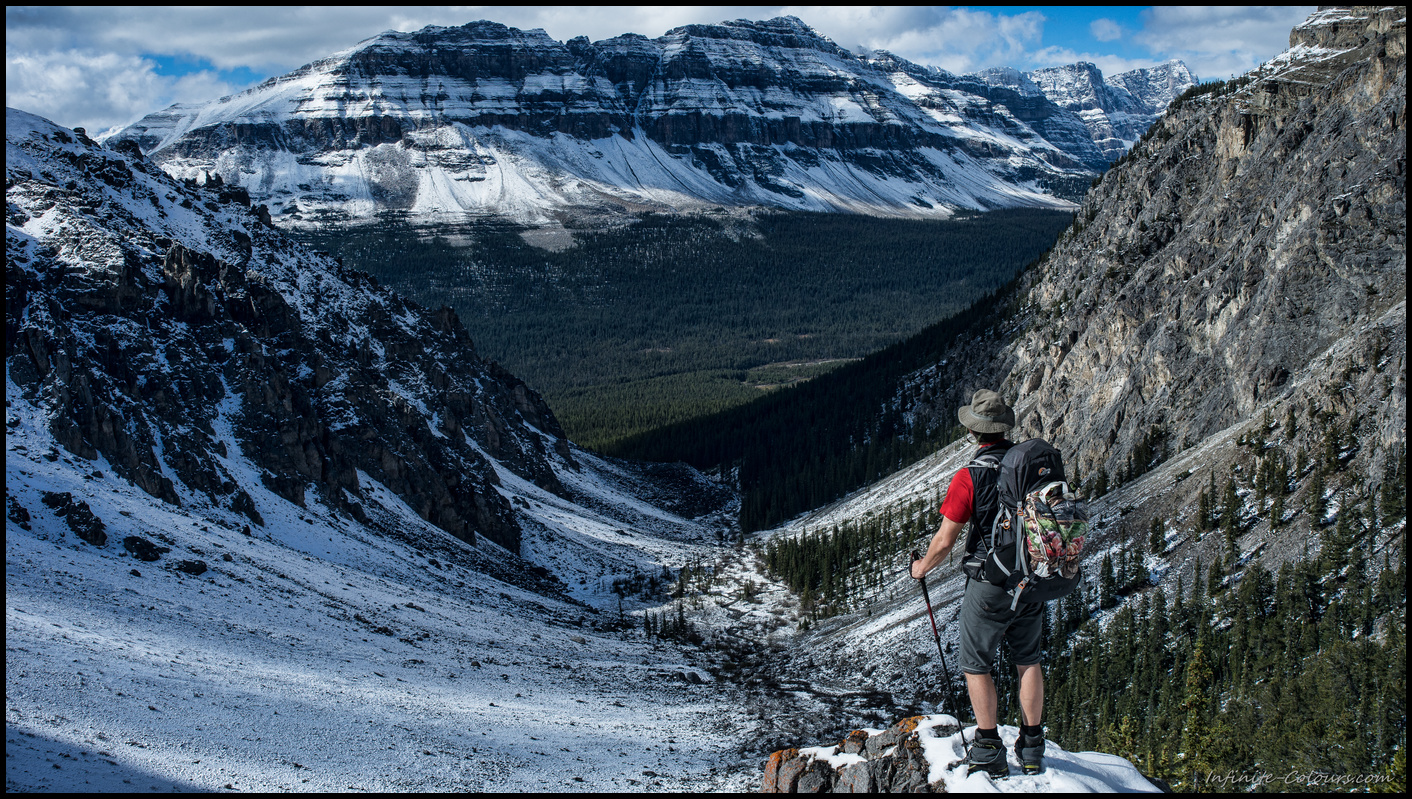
(986, 619)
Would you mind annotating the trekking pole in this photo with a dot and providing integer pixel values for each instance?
(946, 672)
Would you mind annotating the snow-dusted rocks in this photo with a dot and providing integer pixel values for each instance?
(924, 754)
(1115, 112)
(167, 329)
(487, 119)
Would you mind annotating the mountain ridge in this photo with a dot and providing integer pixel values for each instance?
(488, 119)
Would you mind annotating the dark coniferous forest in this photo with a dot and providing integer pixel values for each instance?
(678, 317)
(805, 447)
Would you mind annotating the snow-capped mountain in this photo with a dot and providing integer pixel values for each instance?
(488, 119)
(1116, 112)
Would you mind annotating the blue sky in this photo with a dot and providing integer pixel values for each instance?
(101, 67)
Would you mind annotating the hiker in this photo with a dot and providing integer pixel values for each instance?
(987, 613)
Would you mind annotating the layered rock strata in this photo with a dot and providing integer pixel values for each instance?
(488, 119)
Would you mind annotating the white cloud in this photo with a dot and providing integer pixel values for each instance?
(956, 39)
(98, 90)
(1219, 41)
(1106, 30)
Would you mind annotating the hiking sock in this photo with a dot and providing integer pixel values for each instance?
(1037, 731)
(993, 732)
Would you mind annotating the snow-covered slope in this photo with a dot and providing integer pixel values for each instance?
(320, 654)
(487, 119)
(189, 606)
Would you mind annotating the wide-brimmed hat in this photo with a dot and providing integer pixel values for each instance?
(987, 413)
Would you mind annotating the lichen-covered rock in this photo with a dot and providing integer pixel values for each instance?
(782, 771)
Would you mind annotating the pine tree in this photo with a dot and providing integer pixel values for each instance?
(1107, 584)
(1337, 545)
(1314, 501)
(1194, 706)
(1100, 486)
(1230, 513)
(1156, 541)
(1332, 446)
(1392, 494)
(1395, 774)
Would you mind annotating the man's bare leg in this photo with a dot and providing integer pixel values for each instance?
(1031, 693)
(983, 702)
(986, 755)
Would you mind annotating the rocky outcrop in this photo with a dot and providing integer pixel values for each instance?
(1116, 112)
(77, 515)
(1246, 261)
(511, 122)
(173, 333)
(888, 761)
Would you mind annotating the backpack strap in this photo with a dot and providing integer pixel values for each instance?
(987, 460)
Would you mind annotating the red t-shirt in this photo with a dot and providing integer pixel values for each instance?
(960, 500)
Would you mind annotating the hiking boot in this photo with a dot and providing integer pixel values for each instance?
(988, 755)
(1029, 750)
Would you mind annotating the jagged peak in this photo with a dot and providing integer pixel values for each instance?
(1087, 68)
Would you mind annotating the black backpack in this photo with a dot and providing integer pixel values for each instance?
(1033, 547)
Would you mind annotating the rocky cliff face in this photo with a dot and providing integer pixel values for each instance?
(488, 119)
(171, 331)
(1246, 261)
(1114, 112)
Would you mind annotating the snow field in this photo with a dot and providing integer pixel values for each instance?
(322, 655)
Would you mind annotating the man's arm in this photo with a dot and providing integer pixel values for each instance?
(939, 548)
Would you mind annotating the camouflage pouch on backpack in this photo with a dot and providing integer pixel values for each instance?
(1054, 522)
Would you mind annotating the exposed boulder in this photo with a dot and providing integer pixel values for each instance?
(142, 549)
(192, 567)
(77, 515)
(890, 761)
